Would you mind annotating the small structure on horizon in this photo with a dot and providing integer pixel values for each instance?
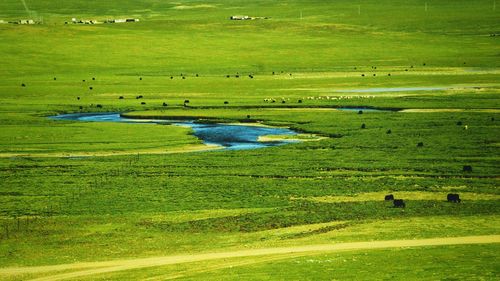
(121, 20)
(26, 22)
(240, 17)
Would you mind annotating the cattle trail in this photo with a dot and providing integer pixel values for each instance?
(93, 268)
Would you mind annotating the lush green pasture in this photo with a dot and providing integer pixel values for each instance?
(435, 72)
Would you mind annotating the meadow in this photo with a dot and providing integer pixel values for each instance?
(81, 192)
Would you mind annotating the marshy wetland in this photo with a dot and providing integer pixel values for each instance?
(370, 99)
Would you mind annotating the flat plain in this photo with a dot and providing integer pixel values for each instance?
(117, 201)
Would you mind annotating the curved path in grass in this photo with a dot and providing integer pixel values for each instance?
(93, 268)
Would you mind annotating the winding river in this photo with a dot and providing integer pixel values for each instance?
(229, 136)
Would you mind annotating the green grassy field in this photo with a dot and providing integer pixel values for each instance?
(138, 191)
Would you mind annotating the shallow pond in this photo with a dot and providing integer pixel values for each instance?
(233, 137)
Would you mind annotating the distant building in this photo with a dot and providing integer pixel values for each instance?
(240, 18)
(26, 22)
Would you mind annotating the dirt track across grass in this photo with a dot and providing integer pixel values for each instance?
(92, 268)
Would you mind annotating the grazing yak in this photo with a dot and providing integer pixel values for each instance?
(399, 203)
(389, 197)
(453, 197)
(467, 168)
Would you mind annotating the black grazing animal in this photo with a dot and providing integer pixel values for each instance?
(55, 78)
(251, 76)
(389, 132)
(248, 116)
(139, 97)
(299, 101)
(453, 197)
(360, 112)
(23, 85)
(186, 101)
(99, 106)
(90, 88)
(420, 144)
(363, 126)
(121, 97)
(143, 103)
(226, 102)
(467, 168)
(399, 203)
(389, 197)
(165, 104)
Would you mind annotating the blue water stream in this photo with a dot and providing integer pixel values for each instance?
(233, 137)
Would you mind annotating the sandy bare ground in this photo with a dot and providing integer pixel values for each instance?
(93, 268)
(431, 110)
(184, 149)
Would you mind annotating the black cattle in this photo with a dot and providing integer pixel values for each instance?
(227, 76)
(374, 74)
(93, 78)
(139, 97)
(99, 106)
(23, 85)
(165, 104)
(251, 76)
(388, 74)
(389, 132)
(237, 76)
(467, 168)
(171, 77)
(78, 98)
(121, 97)
(90, 88)
(183, 77)
(83, 80)
(143, 103)
(389, 197)
(197, 75)
(55, 78)
(186, 101)
(399, 203)
(140, 78)
(81, 107)
(248, 116)
(420, 144)
(453, 197)
(362, 75)
(226, 102)
(363, 126)
(283, 101)
(299, 101)
(360, 112)
(459, 123)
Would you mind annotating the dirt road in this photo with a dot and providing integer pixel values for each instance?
(92, 268)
